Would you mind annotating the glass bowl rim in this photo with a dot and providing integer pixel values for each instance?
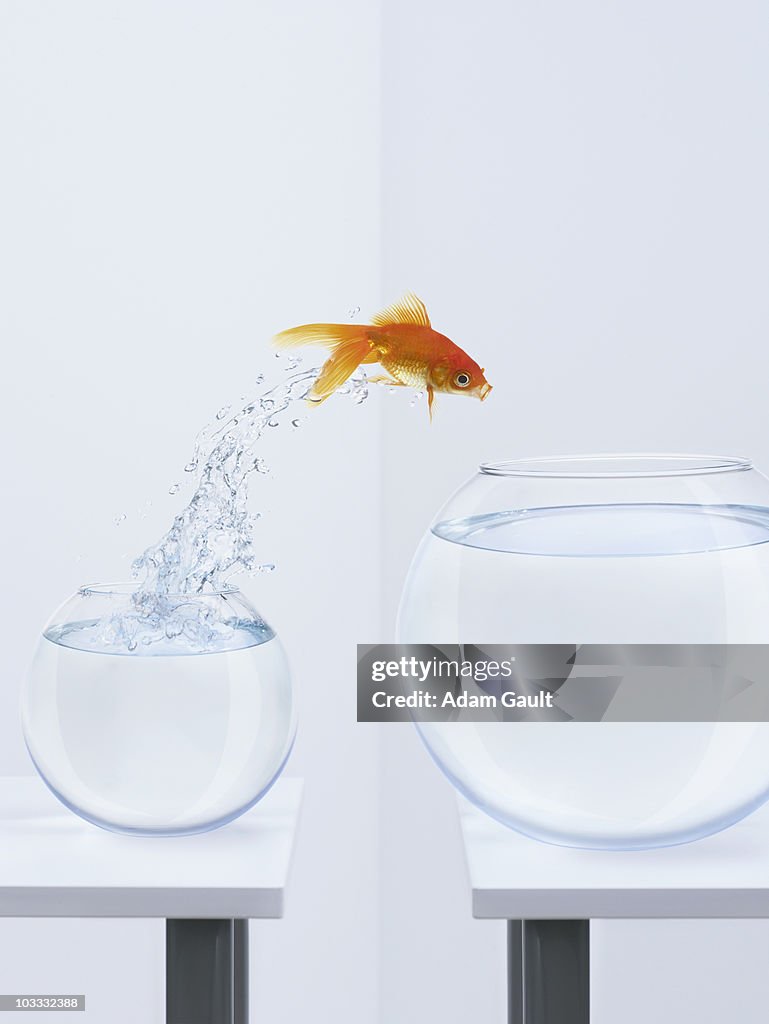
(616, 466)
(125, 588)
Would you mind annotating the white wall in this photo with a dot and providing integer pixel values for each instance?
(578, 191)
(179, 180)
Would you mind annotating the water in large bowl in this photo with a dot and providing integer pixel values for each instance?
(164, 739)
(619, 571)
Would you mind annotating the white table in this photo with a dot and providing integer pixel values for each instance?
(548, 894)
(53, 864)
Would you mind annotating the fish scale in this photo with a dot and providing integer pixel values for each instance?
(412, 372)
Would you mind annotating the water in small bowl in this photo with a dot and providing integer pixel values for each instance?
(164, 739)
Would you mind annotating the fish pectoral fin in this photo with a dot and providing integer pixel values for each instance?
(384, 379)
(338, 368)
(430, 400)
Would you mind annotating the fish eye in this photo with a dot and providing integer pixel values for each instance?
(461, 379)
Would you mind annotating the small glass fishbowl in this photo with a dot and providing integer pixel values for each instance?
(609, 549)
(158, 715)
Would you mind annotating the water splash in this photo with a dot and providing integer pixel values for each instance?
(212, 538)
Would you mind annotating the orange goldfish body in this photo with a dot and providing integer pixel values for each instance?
(402, 341)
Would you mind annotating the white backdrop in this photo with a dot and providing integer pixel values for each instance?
(577, 191)
(180, 180)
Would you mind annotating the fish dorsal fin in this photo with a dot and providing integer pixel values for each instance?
(408, 310)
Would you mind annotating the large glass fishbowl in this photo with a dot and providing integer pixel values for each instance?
(158, 714)
(608, 549)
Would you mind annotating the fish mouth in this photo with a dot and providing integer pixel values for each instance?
(483, 394)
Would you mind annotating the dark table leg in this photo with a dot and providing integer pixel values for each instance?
(206, 971)
(548, 972)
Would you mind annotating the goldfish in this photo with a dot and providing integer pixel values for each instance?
(402, 341)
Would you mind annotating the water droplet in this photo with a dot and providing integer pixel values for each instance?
(212, 537)
(121, 518)
(353, 312)
(259, 379)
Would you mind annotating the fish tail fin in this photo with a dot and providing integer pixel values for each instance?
(341, 364)
(327, 335)
(350, 344)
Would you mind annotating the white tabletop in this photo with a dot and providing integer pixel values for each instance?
(725, 875)
(53, 864)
